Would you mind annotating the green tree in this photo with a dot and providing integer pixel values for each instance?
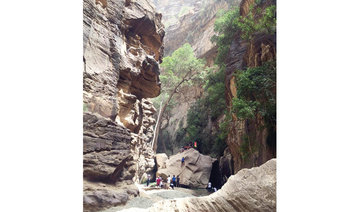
(256, 99)
(215, 93)
(180, 69)
(226, 26)
(257, 20)
(256, 93)
(230, 23)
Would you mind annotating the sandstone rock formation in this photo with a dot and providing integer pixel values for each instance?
(122, 43)
(195, 172)
(249, 190)
(249, 54)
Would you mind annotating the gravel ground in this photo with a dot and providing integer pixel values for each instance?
(148, 198)
(137, 202)
(172, 194)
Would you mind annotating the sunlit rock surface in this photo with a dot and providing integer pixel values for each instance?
(248, 190)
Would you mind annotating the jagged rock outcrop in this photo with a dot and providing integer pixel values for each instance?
(249, 190)
(244, 54)
(123, 45)
(194, 172)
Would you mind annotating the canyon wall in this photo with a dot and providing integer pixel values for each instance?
(123, 45)
(191, 22)
(244, 54)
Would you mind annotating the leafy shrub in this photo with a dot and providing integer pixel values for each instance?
(226, 25)
(229, 23)
(257, 20)
(256, 93)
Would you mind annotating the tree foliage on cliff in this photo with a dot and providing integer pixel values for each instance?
(229, 23)
(180, 68)
(256, 100)
(256, 93)
(256, 87)
(257, 20)
(226, 26)
(181, 64)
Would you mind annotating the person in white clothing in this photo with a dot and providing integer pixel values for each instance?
(169, 179)
(209, 187)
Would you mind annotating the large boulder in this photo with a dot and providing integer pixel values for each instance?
(194, 173)
(98, 195)
(249, 190)
(161, 159)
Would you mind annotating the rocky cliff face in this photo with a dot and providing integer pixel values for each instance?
(191, 22)
(244, 54)
(122, 45)
(196, 28)
(248, 190)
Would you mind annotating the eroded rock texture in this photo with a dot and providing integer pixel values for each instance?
(122, 45)
(248, 190)
(249, 54)
(194, 172)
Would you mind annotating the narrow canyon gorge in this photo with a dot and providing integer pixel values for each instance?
(126, 45)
